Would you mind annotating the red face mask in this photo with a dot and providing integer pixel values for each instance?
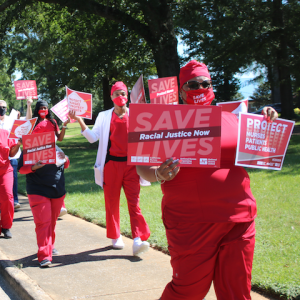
(200, 97)
(120, 101)
(43, 113)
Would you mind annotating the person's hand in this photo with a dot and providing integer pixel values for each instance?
(72, 115)
(29, 100)
(19, 115)
(169, 169)
(61, 155)
(66, 122)
(38, 165)
(19, 141)
(269, 113)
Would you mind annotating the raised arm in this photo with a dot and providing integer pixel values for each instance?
(29, 109)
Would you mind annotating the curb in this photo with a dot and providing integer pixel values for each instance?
(25, 287)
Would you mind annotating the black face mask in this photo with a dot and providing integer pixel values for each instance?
(3, 111)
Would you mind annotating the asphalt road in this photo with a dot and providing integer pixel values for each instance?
(6, 292)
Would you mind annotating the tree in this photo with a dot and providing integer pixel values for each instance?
(150, 20)
(60, 47)
(232, 34)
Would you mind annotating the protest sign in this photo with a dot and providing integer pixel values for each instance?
(21, 127)
(234, 107)
(189, 132)
(137, 94)
(14, 114)
(25, 88)
(61, 110)
(80, 102)
(163, 90)
(262, 144)
(39, 146)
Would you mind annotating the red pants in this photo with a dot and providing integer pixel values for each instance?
(202, 253)
(6, 200)
(45, 213)
(116, 175)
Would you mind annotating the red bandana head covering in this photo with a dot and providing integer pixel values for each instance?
(119, 85)
(192, 69)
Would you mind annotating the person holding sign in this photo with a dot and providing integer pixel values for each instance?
(208, 213)
(8, 147)
(112, 171)
(46, 123)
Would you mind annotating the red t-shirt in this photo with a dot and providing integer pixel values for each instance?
(5, 145)
(118, 135)
(45, 126)
(208, 194)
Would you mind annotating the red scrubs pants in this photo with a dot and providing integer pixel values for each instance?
(45, 213)
(116, 175)
(6, 200)
(202, 253)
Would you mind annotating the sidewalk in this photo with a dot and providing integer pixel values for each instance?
(86, 267)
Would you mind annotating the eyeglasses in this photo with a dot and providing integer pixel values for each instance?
(195, 85)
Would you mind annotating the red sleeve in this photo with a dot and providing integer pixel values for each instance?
(11, 143)
(25, 170)
(67, 163)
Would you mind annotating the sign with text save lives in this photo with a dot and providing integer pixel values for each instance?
(25, 88)
(39, 146)
(262, 144)
(163, 90)
(189, 132)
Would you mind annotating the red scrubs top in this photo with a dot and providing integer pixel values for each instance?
(208, 194)
(119, 135)
(5, 145)
(45, 126)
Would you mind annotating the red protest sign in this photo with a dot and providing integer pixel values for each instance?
(163, 90)
(39, 146)
(137, 94)
(189, 132)
(80, 102)
(25, 88)
(261, 144)
(234, 107)
(21, 127)
(61, 110)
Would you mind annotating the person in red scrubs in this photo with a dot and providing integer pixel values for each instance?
(112, 172)
(8, 147)
(45, 186)
(208, 213)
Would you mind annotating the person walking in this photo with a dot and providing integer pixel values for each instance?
(208, 213)
(45, 186)
(112, 172)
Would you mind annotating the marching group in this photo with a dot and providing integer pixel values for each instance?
(208, 213)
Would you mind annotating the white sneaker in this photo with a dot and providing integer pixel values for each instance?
(139, 247)
(118, 243)
(63, 212)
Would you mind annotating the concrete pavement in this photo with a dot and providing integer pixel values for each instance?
(86, 268)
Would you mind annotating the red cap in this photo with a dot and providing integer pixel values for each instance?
(192, 69)
(119, 85)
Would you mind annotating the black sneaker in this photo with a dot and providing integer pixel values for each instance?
(45, 263)
(7, 233)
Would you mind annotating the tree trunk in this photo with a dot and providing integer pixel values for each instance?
(283, 63)
(106, 93)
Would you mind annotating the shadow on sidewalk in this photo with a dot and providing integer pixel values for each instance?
(71, 259)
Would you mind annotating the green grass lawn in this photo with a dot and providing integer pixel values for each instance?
(276, 266)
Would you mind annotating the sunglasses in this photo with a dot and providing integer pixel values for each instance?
(2, 106)
(195, 85)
